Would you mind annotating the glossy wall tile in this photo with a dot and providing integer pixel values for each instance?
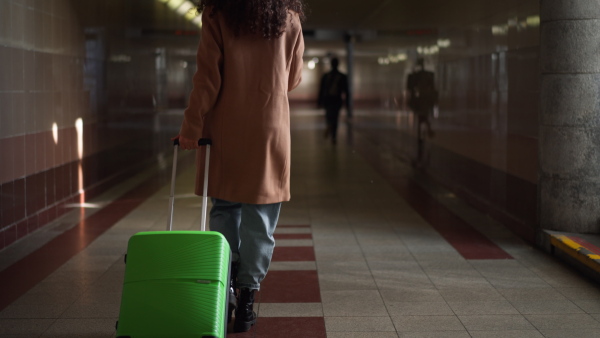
(486, 124)
(80, 99)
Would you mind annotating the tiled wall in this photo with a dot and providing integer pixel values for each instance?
(485, 146)
(40, 42)
(55, 70)
(488, 120)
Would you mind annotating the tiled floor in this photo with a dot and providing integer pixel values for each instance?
(364, 249)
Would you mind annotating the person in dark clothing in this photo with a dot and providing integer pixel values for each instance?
(332, 94)
(422, 96)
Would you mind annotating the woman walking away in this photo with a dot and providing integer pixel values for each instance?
(249, 58)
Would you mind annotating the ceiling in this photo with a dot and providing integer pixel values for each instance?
(403, 24)
(386, 15)
(404, 14)
(377, 24)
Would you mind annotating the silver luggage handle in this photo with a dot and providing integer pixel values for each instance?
(202, 142)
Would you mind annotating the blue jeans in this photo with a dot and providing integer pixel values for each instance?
(249, 230)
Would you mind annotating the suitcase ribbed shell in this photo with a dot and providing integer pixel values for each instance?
(176, 285)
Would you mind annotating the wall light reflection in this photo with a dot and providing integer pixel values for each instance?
(86, 205)
(79, 130)
(55, 132)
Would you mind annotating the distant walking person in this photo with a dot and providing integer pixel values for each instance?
(422, 99)
(332, 93)
(423, 96)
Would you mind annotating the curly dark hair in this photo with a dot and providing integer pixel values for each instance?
(265, 17)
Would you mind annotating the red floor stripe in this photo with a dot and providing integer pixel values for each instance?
(467, 241)
(293, 254)
(293, 236)
(290, 287)
(278, 327)
(296, 286)
(20, 277)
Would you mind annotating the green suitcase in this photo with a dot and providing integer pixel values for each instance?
(176, 282)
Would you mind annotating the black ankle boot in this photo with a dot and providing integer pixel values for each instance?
(244, 316)
(232, 292)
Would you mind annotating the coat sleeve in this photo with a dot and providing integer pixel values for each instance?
(207, 79)
(297, 63)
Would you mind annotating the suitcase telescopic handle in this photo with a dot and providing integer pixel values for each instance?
(201, 142)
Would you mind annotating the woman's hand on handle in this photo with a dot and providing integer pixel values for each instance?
(186, 143)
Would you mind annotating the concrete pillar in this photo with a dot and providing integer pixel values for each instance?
(569, 138)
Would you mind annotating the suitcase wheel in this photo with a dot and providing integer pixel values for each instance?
(125, 259)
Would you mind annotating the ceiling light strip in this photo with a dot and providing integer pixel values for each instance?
(184, 8)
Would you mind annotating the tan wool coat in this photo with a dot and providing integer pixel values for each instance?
(240, 101)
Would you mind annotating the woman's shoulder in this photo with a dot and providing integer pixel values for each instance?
(293, 15)
(294, 23)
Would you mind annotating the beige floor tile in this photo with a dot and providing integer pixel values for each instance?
(92, 328)
(434, 334)
(563, 321)
(95, 305)
(546, 307)
(345, 275)
(589, 306)
(471, 294)
(359, 324)
(427, 323)
(500, 307)
(362, 335)
(507, 334)
(291, 310)
(29, 327)
(350, 303)
(577, 293)
(495, 322)
(571, 333)
(418, 308)
(415, 293)
(526, 294)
